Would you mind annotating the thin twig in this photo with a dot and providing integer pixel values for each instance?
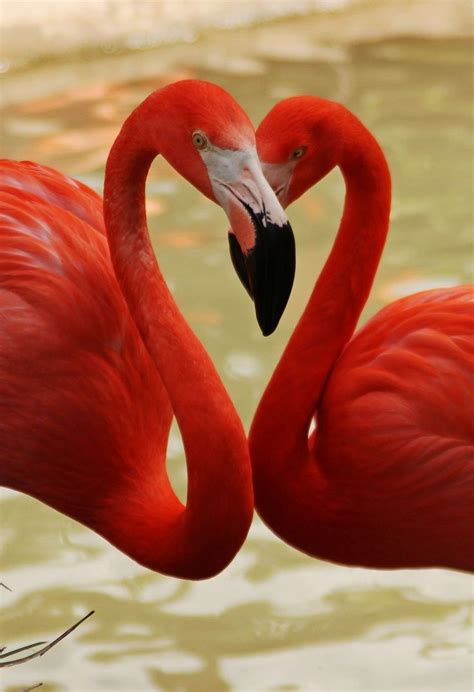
(35, 687)
(42, 651)
(5, 586)
(17, 651)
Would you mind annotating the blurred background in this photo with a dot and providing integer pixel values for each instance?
(275, 619)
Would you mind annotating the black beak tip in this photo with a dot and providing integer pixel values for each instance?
(267, 272)
(268, 330)
(275, 273)
(268, 314)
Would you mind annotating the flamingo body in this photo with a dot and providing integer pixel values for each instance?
(386, 479)
(71, 354)
(95, 356)
(392, 440)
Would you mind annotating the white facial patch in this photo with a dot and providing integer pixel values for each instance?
(279, 176)
(236, 175)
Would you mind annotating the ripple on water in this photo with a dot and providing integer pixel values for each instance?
(243, 365)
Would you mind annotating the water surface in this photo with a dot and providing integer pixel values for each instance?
(275, 619)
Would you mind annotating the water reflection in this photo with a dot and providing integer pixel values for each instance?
(275, 619)
(184, 651)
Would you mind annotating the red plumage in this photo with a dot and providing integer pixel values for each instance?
(95, 356)
(81, 398)
(387, 478)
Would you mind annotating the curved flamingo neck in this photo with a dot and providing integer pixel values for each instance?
(285, 473)
(344, 284)
(197, 540)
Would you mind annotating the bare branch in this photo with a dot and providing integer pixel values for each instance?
(45, 649)
(17, 651)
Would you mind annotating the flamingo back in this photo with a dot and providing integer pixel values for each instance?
(80, 398)
(395, 429)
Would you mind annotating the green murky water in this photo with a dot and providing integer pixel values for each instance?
(275, 619)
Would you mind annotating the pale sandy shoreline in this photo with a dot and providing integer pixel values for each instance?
(33, 30)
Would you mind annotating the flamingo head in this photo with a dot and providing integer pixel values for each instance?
(298, 144)
(207, 137)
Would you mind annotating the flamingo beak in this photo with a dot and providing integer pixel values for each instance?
(261, 241)
(267, 268)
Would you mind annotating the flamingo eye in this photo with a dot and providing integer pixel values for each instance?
(298, 153)
(200, 141)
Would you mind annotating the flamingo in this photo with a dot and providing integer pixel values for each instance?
(386, 479)
(95, 356)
